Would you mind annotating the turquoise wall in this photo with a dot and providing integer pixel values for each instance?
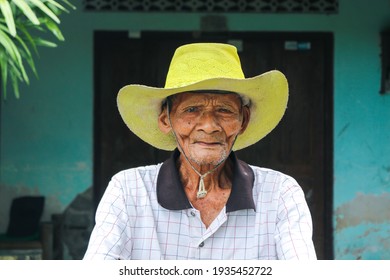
(46, 136)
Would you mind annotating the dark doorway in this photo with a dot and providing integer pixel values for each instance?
(301, 146)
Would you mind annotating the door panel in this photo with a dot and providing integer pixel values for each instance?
(296, 146)
(300, 146)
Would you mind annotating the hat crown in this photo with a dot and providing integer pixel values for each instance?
(202, 61)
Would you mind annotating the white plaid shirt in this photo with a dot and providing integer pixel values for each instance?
(145, 214)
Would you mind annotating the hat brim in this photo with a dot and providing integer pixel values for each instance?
(140, 106)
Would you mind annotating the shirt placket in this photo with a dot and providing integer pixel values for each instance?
(199, 247)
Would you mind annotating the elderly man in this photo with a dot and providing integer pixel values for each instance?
(203, 202)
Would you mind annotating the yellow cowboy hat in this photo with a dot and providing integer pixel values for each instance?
(205, 66)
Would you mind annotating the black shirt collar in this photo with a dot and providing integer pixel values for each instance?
(171, 195)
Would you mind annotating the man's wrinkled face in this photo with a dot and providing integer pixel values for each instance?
(205, 124)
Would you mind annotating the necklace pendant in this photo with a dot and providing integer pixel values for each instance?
(202, 191)
(201, 194)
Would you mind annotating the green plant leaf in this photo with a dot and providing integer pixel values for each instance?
(15, 76)
(21, 22)
(4, 71)
(28, 38)
(8, 16)
(15, 70)
(57, 5)
(45, 9)
(53, 28)
(8, 44)
(70, 5)
(26, 54)
(15, 84)
(27, 11)
(44, 43)
(13, 52)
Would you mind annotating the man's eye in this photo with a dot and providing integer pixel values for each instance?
(191, 109)
(224, 110)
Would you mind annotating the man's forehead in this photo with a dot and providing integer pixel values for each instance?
(205, 95)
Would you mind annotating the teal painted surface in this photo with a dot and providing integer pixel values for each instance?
(368, 242)
(46, 136)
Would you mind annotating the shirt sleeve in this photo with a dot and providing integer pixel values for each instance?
(111, 236)
(294, 227)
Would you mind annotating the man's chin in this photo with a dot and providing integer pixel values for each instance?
(209, 157)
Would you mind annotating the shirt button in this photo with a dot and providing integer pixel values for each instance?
(193, 214)
(201, 245)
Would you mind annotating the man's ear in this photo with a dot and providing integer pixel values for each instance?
(246, 115)
(163, 121)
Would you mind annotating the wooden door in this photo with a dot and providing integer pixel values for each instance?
(300, 146)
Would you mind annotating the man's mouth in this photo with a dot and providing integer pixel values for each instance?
(207, 143)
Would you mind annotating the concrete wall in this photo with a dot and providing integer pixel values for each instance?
(46, 136)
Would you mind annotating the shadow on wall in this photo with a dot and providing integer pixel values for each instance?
(73, 227)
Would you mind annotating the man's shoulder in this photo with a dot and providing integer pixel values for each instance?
(264, 170)
(268, 174)
(138, 171)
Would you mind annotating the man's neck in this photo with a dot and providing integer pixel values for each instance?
(220, 178)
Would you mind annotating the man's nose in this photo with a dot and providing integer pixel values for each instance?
(208, 122)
